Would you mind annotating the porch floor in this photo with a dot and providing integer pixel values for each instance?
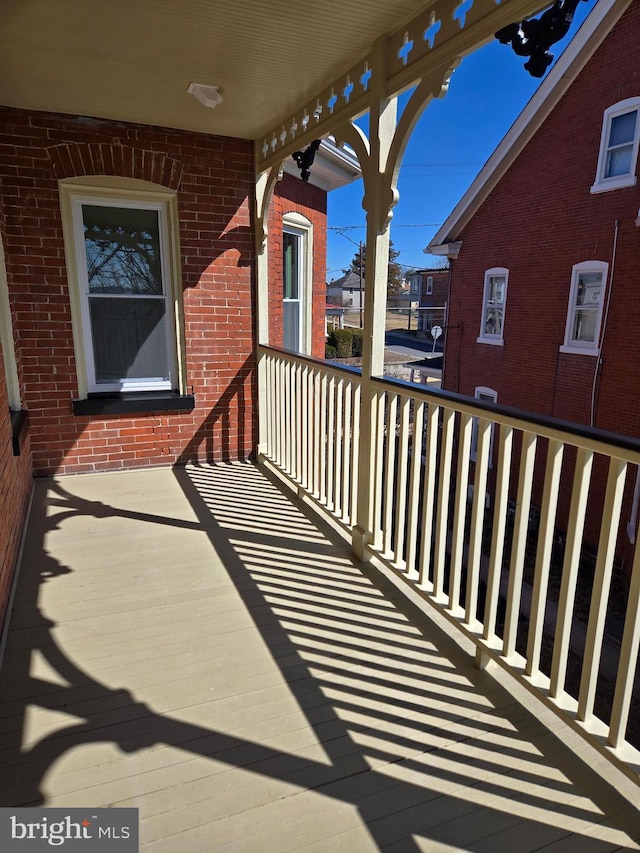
(195, 644)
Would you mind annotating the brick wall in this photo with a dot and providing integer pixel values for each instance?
(291, 195)
(538, 222)
(15, 483)
(213, 176)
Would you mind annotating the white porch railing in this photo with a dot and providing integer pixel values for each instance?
(479, 507)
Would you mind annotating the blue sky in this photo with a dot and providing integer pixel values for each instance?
(450, 144)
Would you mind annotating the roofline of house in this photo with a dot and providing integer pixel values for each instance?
(578, 52)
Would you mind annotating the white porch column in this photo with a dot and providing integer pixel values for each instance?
(264, 184)
(380, 195)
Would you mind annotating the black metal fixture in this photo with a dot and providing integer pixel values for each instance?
(304, 159)
(533, 38)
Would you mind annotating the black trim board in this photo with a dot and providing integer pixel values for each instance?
(135, 403)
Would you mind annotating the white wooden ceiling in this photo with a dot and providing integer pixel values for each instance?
(133, 60)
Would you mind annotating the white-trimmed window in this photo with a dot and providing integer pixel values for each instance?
(493, 305)
(618, 146)
(429, 285)
(584, 316)
(7, 341)
(297, 278)
(487, 395)
(125, 291)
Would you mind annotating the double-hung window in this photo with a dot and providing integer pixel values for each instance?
(296, 283)
(124, 290)
(584, 315)
(618, 146)
(493, 306)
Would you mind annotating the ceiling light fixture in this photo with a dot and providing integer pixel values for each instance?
(208, 95)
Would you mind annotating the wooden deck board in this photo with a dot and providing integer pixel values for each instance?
(193, 644)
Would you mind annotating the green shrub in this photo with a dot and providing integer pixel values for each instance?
(342, 340)
(330, 352)
(356, 342)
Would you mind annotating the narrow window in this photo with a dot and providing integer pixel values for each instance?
(493, 306)
(429, 285)
(297, 278)
(618, 147)
(584, 315)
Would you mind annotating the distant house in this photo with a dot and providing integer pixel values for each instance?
(431, 288)
(347, 291)
(557, 331)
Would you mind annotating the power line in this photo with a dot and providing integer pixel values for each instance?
(340, 228)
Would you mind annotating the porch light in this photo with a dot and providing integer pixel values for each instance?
(208, 95)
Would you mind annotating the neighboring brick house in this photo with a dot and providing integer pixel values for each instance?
(544, 264)
(431, 287)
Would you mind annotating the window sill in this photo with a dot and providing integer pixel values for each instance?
(613, 184)
(494, 342)
(579, 350)
(142, 402)
(19, 421)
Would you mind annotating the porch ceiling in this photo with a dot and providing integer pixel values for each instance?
(134, 61)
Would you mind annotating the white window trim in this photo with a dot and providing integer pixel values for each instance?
(295, 223)
(574, 347)
(429, 285)
(7, 340)
(134, 193)
(483, 338)
(493, 394)
(602, 184)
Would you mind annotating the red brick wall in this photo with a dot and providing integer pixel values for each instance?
(15, 484)
(538, 222)
(293, 195)
(213, 176)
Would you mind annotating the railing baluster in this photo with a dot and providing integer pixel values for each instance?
(601, 583)
(401, 482)
(379, 406)
(566, 599)
(318, 438)
(355, 449)
(322, 480)
(430, 471)
(518, 547)
(389, 474)
(442, 511)
(543, 555)
(281, 415)
(460, 511)
(628, 659)
(501, 502)
(345, 495)
(331, 439)
(414, 487)
(484, 428)
(337, 449)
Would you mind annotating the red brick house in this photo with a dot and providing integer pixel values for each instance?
(544, 312)
(431, 286)
(95, 200)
